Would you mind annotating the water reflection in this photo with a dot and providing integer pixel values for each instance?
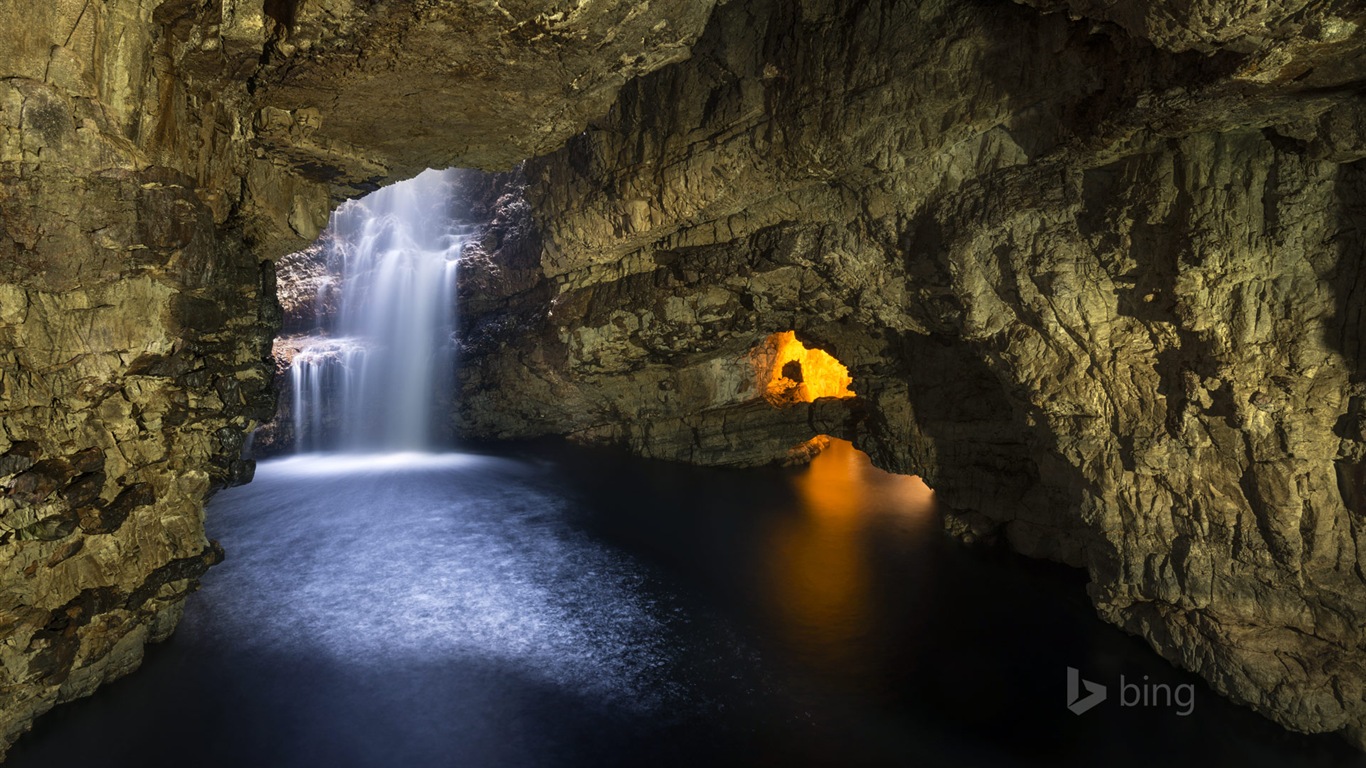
(571, 608)
(819, 574)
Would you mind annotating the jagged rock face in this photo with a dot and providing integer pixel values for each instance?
(1280, 34)
(154, 155)
(1100, 294)
(133, 326)
(351, 94)
(358, 91)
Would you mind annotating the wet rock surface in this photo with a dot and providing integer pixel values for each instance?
(155, 155)
(134, 324)
(1092, 274)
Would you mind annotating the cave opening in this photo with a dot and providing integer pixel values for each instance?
(793, 373)
(374, 552)
(367, 361)
(582, 588)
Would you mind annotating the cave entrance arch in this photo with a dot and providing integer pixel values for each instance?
(791, 372)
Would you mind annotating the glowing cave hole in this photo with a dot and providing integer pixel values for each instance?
(792, 373)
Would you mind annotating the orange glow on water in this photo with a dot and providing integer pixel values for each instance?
(818, 562)
(796, 374)
(832, 486)
(841, 480)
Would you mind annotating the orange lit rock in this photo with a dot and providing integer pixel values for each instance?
(791, 373)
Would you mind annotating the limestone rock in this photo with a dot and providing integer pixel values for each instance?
(155, 156)
(1100, 291)
(403, 87)
(1276, 30)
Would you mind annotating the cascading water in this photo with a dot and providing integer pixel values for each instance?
(379, 377)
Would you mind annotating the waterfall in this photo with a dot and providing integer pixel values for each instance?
(382, 374)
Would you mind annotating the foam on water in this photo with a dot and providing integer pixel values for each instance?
(430, 556)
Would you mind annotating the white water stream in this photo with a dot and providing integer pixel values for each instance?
(386, 367)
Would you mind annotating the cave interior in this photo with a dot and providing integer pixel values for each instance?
(1091, 271)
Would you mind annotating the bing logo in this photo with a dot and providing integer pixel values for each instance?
(1143, 694)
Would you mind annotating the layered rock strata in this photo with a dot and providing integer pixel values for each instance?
(1094, 275)
(155, 155)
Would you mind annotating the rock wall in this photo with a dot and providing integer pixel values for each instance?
(154, 156)
(1094, 275)
(133, 326)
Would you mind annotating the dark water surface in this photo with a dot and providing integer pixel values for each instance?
(563, 607)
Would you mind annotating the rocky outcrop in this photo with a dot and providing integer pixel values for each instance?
(154, 156)
(361, 90)
(1280, 34)
(351, 94)
(133, 326)
(1094, 275)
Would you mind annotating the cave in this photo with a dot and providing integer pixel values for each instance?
(794, 373)
(564, 383)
